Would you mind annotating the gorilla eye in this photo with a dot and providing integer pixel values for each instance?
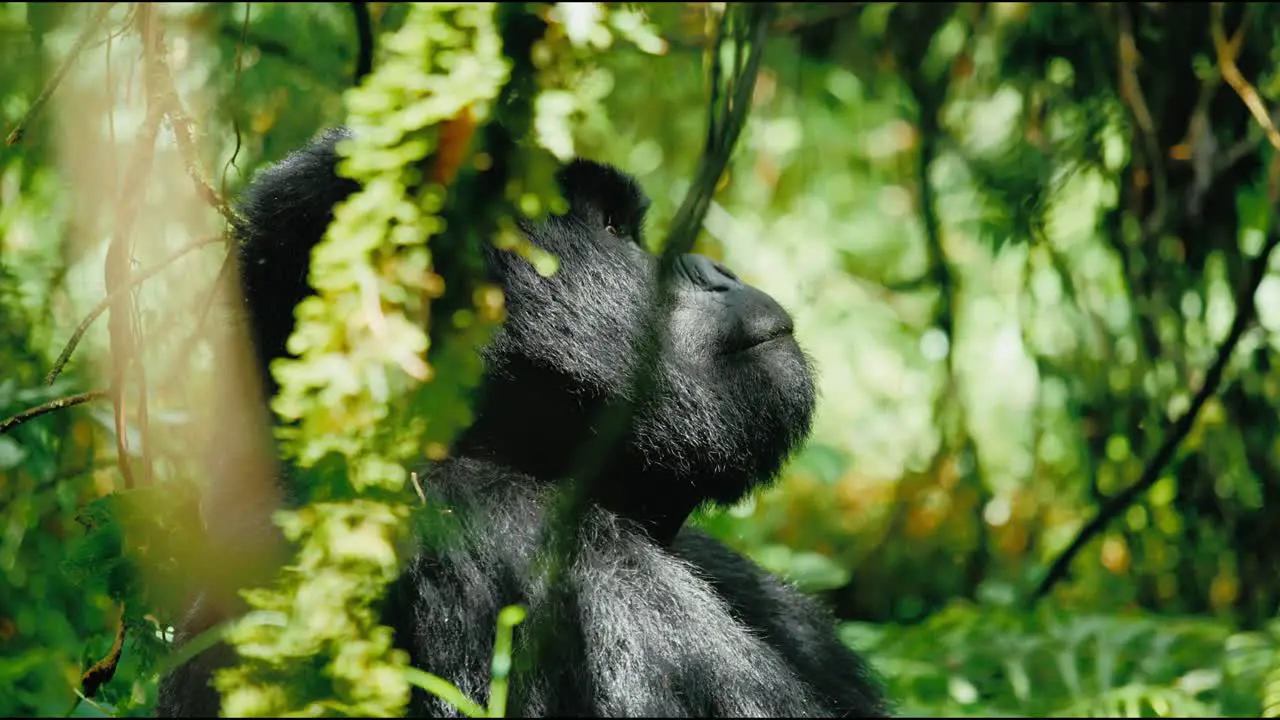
(616, 229)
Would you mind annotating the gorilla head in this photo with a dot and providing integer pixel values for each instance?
(728, 395)
(730, 392)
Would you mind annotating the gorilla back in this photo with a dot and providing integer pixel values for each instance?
(650, 618)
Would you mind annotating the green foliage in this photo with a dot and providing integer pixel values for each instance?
(1080, 329)
(137, 545)
(992, 661)
(443, 77)
(373, 276)
(1271, 691)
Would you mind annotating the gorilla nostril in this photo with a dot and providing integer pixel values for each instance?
(724, 271)
(707, 274)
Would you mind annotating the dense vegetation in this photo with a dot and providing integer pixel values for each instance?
(1027, 245)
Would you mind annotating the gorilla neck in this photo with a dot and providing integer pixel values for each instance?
(657, 501)
(540, 431)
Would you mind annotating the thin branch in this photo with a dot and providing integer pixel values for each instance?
(949, 411)
(55, 404)
(102, 306)
(116, 268)
(224, 271)
(166, 94)
(234, 100)
(927, 207)
(176, 366)
(102, 671)
(827, 13)
(1131, 92)
(112, 157)
(1137, 281)
(783, 24)
(364, 35)
(417, 487)
(724, 124)
(1227, 51)
(82, 42)
(269, 47)
(1245, 311)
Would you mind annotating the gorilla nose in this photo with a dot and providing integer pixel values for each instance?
(746, 316)
(707, 274)
(760, 319)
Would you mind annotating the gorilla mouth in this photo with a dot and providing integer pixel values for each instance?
(752, 342)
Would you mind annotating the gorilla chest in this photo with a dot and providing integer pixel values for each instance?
(656, 640)
(630, 630)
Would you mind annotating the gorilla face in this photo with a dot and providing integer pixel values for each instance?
(731, 392)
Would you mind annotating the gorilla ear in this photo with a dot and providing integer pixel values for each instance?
(603, 195)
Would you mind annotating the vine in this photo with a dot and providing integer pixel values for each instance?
(386, 348)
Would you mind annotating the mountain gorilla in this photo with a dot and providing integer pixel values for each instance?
(649, 618)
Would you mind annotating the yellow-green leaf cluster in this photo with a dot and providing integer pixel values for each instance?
(361, 343)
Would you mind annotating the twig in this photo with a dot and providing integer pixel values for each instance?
(725, 123)
(1131, 92)
(166, 94)
(55, 404)
(82, 42)
(116, 268)
(783, 24)
(102, 671)
(1227, 51)
(746, 25)
(829, 12)
(364, 35)
(224, 271)
(102, 306)
(417, 487)
(955, 437)
(234, 100)
(186, 348)
(1121, 501)
(927, 207)
(269, 47)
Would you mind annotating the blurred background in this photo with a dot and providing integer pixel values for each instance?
(1025, 245)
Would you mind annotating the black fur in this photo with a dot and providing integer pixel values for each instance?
(650, 618)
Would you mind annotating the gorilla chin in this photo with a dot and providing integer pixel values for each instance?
(651, 618)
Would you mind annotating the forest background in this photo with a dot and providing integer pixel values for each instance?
(1028, 245)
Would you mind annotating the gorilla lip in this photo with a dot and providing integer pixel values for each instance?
(754, 343)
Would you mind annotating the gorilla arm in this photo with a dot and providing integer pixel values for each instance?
(632, 629)
(791, 623)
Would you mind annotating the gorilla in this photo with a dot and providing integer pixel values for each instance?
(647, 617)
